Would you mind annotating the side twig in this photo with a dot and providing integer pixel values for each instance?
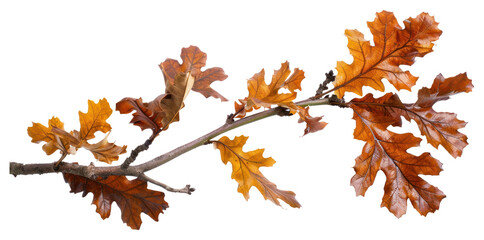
(187, 189)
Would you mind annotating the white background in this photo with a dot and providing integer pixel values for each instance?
(55, 55)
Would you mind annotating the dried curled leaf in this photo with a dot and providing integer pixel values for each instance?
(313, 124)
(68, 143)
(394, 46)
(40, 133)
(132, 197)
(105, 151)
(245, 170)
(387, 151)
(179, 80)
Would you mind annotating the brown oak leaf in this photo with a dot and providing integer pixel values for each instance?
(245, 170)
(131, 196)
(387, 151)
(393, 47)
(440, 128)
(313, 124)
(179, 78)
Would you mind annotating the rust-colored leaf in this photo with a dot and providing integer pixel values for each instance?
(440, 128)
(245, 170)
(393, 47)
(442, 89)
(143, 117)
(263, 95)
(40, 133)
(132, 197)
(207, 77)
(387, 151)
(179, 80)
(313, 124)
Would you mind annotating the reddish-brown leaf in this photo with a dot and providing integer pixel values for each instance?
(143, 117)
(393, 47)
(387, 151)
(179, 80)
(193, 59)
(132, 197)
(442, 89)
(440, 128)
(245, 170)
(313, 124)
(263, 95)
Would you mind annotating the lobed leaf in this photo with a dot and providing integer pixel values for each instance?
(94, 120)
(393, 47)
(245, 170)
(40, 133)
(179, 78)
(132, 197)
(387, 151)
(263, 95)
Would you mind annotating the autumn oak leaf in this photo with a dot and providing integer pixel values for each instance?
(180, 79)
(387, 151)
(68, 142)
(40, 133)
(245, 170)
(95, 119)
(393, 47)
(313, 124)
(131, 196)
(263, 95)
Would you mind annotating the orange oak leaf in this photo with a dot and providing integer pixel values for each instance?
(179, 78)
(313, 124)
(131, 196)
(68, 142)
(245, 170)
(393, 47)
(263, 95)
(95, 119)
(40, 133)
(387, 151)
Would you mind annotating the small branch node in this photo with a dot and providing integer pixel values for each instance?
(324, 86)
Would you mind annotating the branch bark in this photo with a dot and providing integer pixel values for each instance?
(92, 171)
